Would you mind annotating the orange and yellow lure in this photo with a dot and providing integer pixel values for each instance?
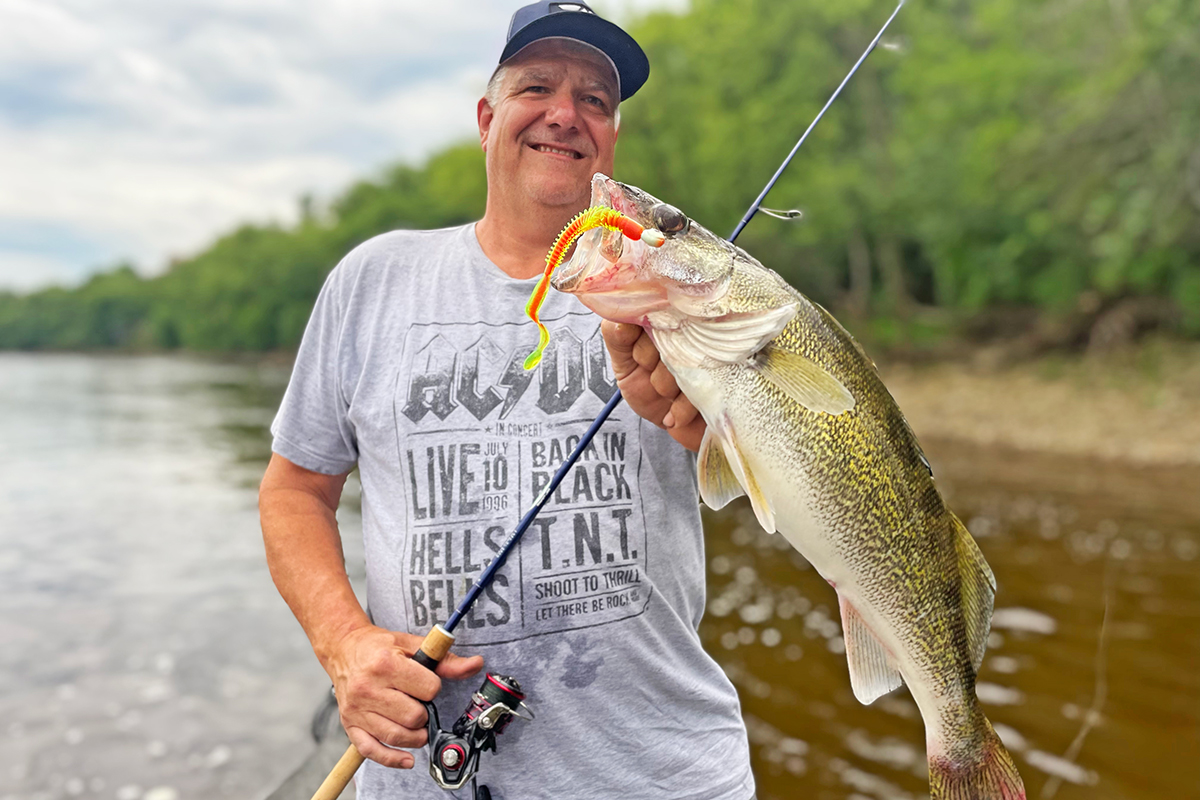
(594, 217)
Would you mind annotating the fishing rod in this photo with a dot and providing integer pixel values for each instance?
(454, 754)
(754, 207)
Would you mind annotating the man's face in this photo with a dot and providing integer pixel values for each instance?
(553, 125)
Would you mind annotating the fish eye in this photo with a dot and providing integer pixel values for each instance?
(669, 219)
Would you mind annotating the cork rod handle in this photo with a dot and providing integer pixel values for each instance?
(335, 782)
(433, 649)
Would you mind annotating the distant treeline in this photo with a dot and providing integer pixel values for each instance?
(997, 154)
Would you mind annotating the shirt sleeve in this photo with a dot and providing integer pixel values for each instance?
(313, 428)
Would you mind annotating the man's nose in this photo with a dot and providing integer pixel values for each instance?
(562, 111)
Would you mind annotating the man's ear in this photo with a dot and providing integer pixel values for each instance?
(483, 115)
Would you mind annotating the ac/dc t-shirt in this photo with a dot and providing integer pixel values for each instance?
(411, 369)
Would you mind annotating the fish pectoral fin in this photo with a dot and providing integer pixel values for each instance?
(718, 482)
(735, 461)
(729, 339)
(804, 381)
(872, 673)
(978, 590)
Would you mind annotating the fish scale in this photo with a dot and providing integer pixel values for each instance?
(880, 512)
(799, 420)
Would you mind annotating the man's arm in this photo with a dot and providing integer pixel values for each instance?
(648, 387)
(377, 684)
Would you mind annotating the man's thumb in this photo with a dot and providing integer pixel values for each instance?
(619, 339)
(457, 667)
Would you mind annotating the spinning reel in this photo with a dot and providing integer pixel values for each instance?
(454, 754)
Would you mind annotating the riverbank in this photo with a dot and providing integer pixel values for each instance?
(1139, 405)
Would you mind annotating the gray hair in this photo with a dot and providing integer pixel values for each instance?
(492, 93)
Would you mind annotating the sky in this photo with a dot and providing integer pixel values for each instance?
(139, 130)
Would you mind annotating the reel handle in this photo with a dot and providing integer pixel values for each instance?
(433, 649)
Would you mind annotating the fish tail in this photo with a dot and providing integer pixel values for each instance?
(987, 773)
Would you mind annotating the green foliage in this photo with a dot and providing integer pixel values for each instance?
(252, 289)
(1007, 153)
(1014, 153)
(104, 312)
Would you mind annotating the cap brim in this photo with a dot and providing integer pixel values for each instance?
(633, 68)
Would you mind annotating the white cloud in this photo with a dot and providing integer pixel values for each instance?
(138, 129)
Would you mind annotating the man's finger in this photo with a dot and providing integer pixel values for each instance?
(683, 413)
(619, 340)
(370, 748)
(457, 667)
(413, 679)
(393, 704)
(619, 335)
(394, 734)
(664, 382)
(645, 353)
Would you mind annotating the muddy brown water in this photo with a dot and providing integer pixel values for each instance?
(1070, 540)
(145, 656)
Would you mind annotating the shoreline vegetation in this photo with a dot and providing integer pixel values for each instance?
(1137, 405)
(1004, 208)
(999, 172)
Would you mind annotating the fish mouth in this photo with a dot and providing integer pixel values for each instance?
(604, 271)
(577, 275)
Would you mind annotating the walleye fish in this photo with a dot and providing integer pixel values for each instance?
(800, 422)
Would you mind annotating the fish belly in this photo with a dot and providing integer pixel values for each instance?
(721, 398)
(827, 550)
(773, 444)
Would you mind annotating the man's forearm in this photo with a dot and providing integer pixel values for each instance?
(304, 553)
(379, 687)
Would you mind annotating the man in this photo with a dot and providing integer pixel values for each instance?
(411, 370)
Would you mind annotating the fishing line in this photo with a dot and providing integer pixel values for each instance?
(771, 183)
(777, 213)
(1092, 716)
(594, 217)
(438, 641)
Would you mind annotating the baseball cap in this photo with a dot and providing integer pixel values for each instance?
(575, 20)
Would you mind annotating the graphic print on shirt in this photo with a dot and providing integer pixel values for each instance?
(478, 439)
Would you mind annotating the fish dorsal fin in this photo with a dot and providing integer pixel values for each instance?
(872, 673)
(736, 463)
(804, 381)
(978, 590)
(718, 483)
(729, 339)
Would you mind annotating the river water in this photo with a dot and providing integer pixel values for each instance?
(144, 654)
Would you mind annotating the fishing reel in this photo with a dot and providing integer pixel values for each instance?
(454, 754)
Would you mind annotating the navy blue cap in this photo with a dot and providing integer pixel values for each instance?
(575, 20)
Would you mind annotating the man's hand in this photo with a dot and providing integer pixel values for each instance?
(648, 386)
(379, 686)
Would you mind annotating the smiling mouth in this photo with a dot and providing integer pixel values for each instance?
(559, 151)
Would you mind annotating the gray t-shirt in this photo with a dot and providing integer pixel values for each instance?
(411, 369)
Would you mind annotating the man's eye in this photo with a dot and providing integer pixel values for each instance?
(536, 89)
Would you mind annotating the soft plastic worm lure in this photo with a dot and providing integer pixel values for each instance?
(594, 217)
